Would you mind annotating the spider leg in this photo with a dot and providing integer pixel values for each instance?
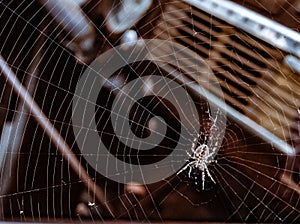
(210, 159)
(210, 154)
(210, 176)
(189, 154)
(205, 138)
(203, 179)
(184, 168)
(190, 164)
(190, 172)
(194, 143)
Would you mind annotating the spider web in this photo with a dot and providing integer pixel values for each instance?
(255, 181)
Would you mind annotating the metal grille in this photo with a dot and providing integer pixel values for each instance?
(254, 78)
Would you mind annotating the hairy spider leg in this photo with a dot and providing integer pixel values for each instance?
(203, 179)
(210, 176)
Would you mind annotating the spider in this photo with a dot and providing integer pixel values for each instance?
(199, 159)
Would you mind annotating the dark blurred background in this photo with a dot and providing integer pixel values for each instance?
(38, 184)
